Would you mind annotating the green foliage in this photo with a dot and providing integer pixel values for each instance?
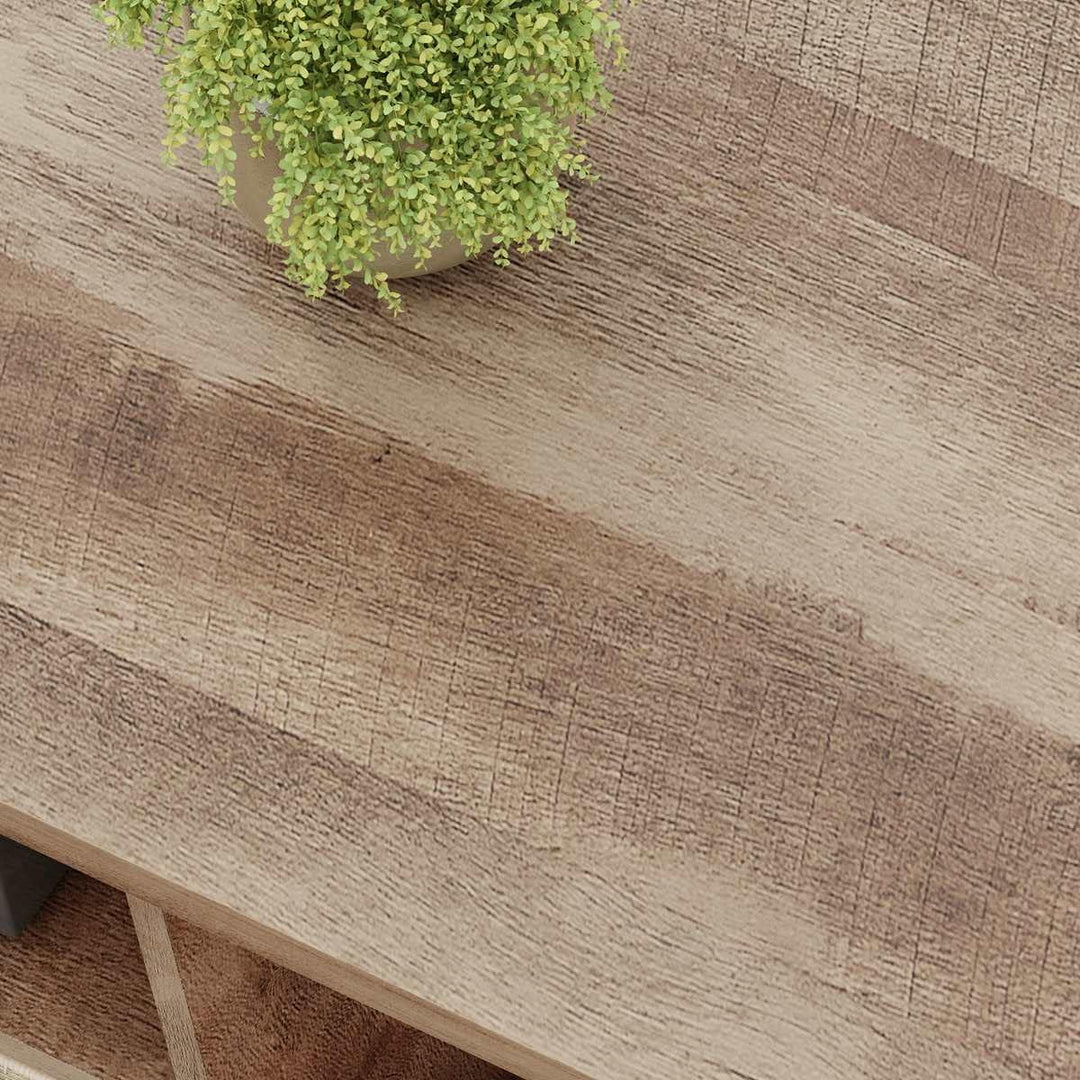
(396, 120)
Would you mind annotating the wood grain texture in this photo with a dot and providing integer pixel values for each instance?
(993, 80)
(669, 647)
(72, 990)
(254, 1019)
(884, 948)
(21, 1062)
(170, 995)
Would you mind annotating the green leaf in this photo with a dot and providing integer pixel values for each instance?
(395, 121)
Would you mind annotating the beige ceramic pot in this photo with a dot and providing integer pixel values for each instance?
(255, 185)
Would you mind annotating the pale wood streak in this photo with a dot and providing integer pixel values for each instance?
(170, 995)
(21, 1062)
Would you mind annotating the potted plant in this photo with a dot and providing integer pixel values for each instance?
(378, 138)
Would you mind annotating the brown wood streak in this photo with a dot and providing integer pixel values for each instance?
(256, 832)
(691, 656)
(737, 565)
(858, 160)
(254, 1019)
(993, 80)
(72, 988)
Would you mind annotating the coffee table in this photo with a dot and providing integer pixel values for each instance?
(659, 659)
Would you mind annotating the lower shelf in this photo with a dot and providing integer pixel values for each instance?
(77, 1003)
(73, 987)
(21, 1062)
(251, 1020)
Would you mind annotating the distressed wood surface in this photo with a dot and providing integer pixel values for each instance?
(659, 659)
(74, 999)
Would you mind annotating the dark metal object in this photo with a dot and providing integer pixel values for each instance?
(26, 879)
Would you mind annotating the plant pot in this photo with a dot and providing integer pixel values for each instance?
(255, 186)
(26, 879)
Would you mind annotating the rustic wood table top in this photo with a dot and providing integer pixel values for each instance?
(660, 659)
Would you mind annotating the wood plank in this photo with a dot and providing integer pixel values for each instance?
(170, 996)
(21, 1062)
(868, 951)
(73, 991)
(254, 1019)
